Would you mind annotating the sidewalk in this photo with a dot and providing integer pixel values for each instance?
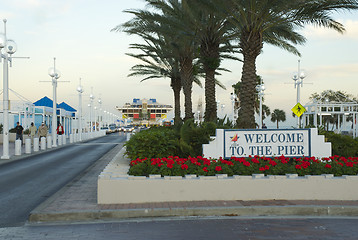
(77, 201)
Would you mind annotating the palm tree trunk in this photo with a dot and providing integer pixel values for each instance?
(251, 45)
(176, 86)
(246, 118)
(210, 58)
(186, 74)
(210, 99)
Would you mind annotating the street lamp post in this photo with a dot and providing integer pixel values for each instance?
(95, 120)
(298, 78)
(80, 91)
(100, 113)
(91, 106)
(90, 118)
(233, 101)
(54, 74)
(260, 89)
(9, 49)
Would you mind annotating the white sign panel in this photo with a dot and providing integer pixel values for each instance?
(287, 142)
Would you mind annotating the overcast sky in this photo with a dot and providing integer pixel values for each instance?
(77, 33)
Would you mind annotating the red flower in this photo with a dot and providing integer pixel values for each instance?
(298, 166)
(328, 166)
(349, 164)
(262, 169)
(184, 166)
(205, 169)
(170, 165)
(254, 160)
(218, 168)
(247, 164)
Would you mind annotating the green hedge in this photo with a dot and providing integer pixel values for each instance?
(187, 140)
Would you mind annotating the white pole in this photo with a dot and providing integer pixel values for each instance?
(5, 154)
(298, 91)
(54, 106)
(80, 115)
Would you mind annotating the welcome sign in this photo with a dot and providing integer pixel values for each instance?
(287, 142)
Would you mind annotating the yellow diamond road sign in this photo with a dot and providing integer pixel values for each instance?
(124, 116)
(298, 109)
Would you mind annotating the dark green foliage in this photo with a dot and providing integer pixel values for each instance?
(342, 145)
(152, 143)
(184, 141)
(193, 136)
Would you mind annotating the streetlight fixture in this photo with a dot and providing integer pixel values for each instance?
(95, 120)
(80, 91)
(298, 78)
(100, 123)
(260, 91)
(234, 99)
(91, 105)
(54, 74)
(10, 48)
(90, 117)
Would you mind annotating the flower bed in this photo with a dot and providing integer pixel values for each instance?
(200, 166)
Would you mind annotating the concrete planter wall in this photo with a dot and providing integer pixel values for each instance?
(115, 187)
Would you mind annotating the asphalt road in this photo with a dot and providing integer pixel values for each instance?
(26, 183)
(194, 228)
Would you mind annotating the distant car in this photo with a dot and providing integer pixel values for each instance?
(128, 128)
(112, 127)
(106, 129)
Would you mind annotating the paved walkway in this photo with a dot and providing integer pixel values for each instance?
(77, 201)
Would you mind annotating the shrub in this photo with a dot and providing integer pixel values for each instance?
(193, 136)
(184, 141)
(154, 142)
(342, 145)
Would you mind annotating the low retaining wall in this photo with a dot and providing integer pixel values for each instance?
(115, 187)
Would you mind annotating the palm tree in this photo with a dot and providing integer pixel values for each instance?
(212, 32)
(154, 26)
(275, 22)
(278, 116)
(158, 65)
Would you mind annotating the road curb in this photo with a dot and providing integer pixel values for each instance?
(252, 211)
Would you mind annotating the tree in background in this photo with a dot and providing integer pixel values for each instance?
(278, 116)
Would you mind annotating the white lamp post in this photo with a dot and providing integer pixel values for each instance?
(100, 113)
(90, 117)
(54, 74)
(233, 101)
(9, 49)
(80, 91)
(298, 78)
(95, 120)
(105, 117)
(260, 89)
(91, 105)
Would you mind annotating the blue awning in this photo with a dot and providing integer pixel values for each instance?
(45, 102)
(67, 107)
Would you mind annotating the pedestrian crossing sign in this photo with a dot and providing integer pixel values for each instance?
(164, 116)
(124, 116)
(298, 109)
